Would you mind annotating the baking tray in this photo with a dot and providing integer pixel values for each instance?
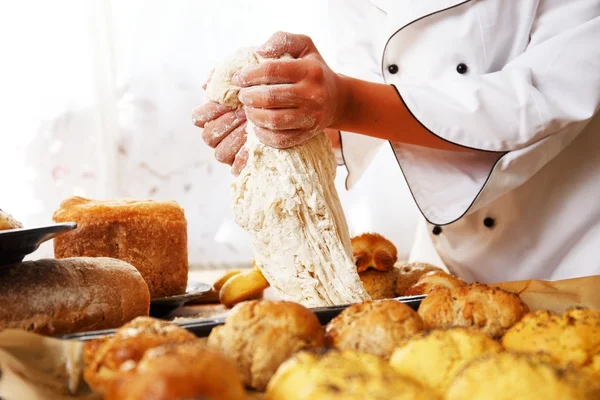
(203, 327)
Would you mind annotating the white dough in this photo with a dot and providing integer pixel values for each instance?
(287, 201)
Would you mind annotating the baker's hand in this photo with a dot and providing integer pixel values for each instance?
(224, 131)
(289, 100)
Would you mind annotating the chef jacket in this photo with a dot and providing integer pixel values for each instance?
(519, 82)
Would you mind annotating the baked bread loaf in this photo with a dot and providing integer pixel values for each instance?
(409, 274)
(434, 358)
(379, 284)
(150, 235)
(509, 376)
(107, 359)
(7, 221)
(76, 294)
(343, 375)
(491, 310)
(259, 335)
(179, 371)
(568, 340)
(375, 327)
(432, 280)
(373, 251)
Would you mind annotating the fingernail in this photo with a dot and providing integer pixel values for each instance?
(240, 114)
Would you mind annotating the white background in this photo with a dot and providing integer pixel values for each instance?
(95, 100)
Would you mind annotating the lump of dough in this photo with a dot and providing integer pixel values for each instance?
(287, 201)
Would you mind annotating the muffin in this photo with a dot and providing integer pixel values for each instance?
(491, 310)
(259, 335)
(375, 327)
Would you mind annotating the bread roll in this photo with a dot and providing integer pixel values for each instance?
(7, 221)
(409, 274)
(432, 280)
(379, 284)
(373, 251)
(150, 235)
(70, 295)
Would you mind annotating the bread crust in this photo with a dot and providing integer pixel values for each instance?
(379, 284)
(7, 221)
(51, 296)
(375, 327)
(491, 310)
(150, 235)
(409, 274)
(431, 280)
(373, 251)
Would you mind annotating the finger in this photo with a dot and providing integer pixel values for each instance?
(286, 43)
(281, 119)
(207, 112)
(231, 145)
(215, 131)
(210, 74)
(241, 159)
(276, 96)
(269, 73)
(281, 139)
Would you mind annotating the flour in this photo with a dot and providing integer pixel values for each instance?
(287, 201)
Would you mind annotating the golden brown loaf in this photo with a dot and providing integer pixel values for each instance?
(375, 327)
(7, 221)
(434, 358)
(373, 251)
(343, 375)
(568, 340)
(150, 235)
(380, 284)
(71, 295)
(409, 274)
(180, 371)
(509, 376)
(491, 310)
(108, 358)
(259, 335)
(432, 280)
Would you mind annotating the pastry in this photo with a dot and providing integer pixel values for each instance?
(54, 297)
(7, 221)
(373, 251)
(375, 327)
(508, 376)
(491, 310)
(287, 201)
(434, 358)
(432, 280)
(409, 274)
(259, 335)
(188, 370)
(244, 286)
(108, 358)
(568, 340)
(343, 375)
(380, 285)
(150, 235)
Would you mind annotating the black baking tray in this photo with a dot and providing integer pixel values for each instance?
(203, 327)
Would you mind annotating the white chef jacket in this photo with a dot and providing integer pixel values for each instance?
(517, 80)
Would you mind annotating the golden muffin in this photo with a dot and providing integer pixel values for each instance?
(432, 280)
(380, 284)
(568, 340)
(259, 335)
(107, 358)
(434, 358)
(409, 274)
(510, 376)
(347, 375)
(180, 371)
(491, 310)
(375, 327)
(373, 251)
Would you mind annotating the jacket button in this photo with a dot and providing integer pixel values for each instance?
(393, 68)
(489, 222)
(461, 68)
(436, 230)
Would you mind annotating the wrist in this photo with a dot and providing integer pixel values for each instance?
(343, 101)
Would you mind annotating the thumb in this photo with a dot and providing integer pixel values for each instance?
(282, 43)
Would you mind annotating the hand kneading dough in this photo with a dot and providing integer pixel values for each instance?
(287, 201)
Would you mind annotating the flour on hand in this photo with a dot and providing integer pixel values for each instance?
(287, 201)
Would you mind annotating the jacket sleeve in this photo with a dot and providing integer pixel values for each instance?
(353, 38)
(518, 119)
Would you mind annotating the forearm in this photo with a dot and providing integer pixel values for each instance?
(375, 110)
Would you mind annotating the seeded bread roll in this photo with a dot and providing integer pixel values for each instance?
(379, 284)
(150, 235)
(71, 295)
(432, 280)
(409, 274)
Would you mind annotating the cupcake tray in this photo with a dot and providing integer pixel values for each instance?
(203, 327)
